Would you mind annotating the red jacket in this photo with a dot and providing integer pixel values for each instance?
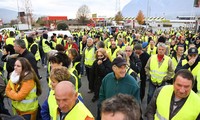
(74, 45)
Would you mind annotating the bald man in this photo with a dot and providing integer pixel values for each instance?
(69, 107)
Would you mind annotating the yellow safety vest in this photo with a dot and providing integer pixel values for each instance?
(10, 41)
(79, 112)
(37, 54)
(74, 66)
(59, 40)
(174, 62)
(53, 44)
(26, 42)
(151, 52)
(114, 55)
(81, 48)
(198, 83)
(189, 110)
(194, 70)
(158, 73)
(89, 56)
(52, 103)
(45, 47)
(71, 70)
(30, 103)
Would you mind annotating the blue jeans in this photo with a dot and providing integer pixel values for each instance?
(152, 89)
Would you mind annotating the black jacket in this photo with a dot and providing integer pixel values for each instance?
(31, 58)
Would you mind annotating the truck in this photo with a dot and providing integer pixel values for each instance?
(23, 27)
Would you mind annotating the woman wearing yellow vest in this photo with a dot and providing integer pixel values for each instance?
(23, 89)
(75, 58)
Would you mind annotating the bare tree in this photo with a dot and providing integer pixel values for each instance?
(83, 14)
(140, 17)
(118, 17)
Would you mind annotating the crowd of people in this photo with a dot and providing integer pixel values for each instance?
(117, 64)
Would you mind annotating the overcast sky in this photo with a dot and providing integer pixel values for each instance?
(68, 8)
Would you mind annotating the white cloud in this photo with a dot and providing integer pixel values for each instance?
(67, 7)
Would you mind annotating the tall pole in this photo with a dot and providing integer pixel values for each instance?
(147, 13)
(18, 12)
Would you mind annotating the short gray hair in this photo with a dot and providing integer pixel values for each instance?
(160, 44)
(20, 43)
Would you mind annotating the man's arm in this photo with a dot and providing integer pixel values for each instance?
(170, 71)
(151, 108)
(147, 68)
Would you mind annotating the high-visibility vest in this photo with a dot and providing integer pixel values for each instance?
(174, 61)
(45, 47)
(71, 70)
(151, 52)
(114, 55)
(158, 73)
(194, 70)
(59, 40)
(89, 56)
(10, 41)
(26, 42)
(74, 66)
(198, 82)
(53, 44)
(52, 103)
(30, 103)
(37, 54)
(79, 112)
(189, 110)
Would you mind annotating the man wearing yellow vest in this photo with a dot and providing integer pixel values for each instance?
(159, 69)
(88, 58)
(178, 55)
(69, 107)
(177, 101)
(192, 63)
(10, 39)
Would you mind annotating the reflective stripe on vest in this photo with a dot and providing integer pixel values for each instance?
(189, 110)
(89, 56)
(158, 73)
(30, 103)
(74, 66)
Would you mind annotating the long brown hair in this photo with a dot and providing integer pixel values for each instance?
(26, 69)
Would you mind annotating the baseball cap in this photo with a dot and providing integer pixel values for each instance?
(119, 61)
(144, 44)
(192, 50)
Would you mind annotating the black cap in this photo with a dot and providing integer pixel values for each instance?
(192, 50)
(119, 61)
